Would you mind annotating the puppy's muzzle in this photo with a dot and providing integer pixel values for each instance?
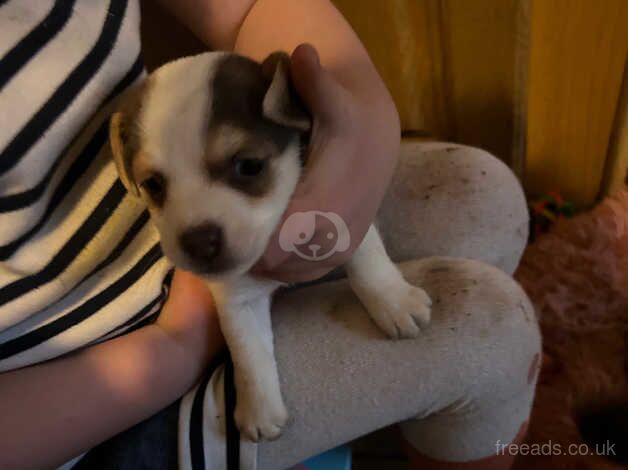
(203, 243)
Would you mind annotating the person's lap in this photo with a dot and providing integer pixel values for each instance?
(465, 378)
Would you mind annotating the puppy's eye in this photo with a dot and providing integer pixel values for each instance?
(155, 187)
(248, 167)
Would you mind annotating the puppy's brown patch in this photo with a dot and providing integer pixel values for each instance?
(239, 88)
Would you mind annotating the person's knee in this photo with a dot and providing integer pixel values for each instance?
(494, 356)
(483, 314)
(453, 200)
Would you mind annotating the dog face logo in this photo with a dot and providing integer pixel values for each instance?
(297, 233)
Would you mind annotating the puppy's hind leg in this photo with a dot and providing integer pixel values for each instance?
(396, 306)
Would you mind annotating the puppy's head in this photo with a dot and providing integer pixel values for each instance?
(212, 143)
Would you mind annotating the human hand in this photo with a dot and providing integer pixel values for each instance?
(351, 157)
(190, 319)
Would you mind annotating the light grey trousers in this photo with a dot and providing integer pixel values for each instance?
(467, 383)
(461, 389)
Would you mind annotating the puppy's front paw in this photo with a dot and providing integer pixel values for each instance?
(260, 416)
(401, 312)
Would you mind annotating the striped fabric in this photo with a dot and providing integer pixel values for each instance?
(208, 437)
(79, 260)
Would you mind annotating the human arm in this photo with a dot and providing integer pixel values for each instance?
(53, 411)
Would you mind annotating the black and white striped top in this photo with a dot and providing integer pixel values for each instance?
(79, 260)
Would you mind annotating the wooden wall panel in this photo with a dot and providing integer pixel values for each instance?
(450, 64)
(578, 51)
(480, 55)
(616, 172)
(404, 39)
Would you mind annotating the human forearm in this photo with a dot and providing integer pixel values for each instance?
(272, 25)
(256, 28)
(279, 24)
(54, 411)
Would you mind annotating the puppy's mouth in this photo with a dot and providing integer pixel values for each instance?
(212, 266)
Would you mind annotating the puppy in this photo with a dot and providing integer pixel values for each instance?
(213, 145)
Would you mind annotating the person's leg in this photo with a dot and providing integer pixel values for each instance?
(150, 445)
(449, 199)
(452, 200)
(466, 384)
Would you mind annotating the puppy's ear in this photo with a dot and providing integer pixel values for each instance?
(281, 103)
(123, 142)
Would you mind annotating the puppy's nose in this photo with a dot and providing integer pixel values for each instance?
(202, 242)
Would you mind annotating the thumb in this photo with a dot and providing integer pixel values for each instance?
(318, 89)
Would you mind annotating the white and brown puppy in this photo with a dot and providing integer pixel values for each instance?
(213, 144)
